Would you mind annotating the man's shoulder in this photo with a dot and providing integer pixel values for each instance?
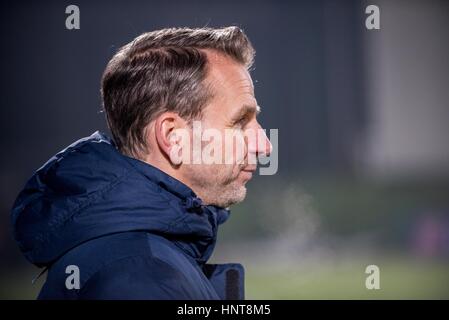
(98, 253)
(127, 259)
(105, 249)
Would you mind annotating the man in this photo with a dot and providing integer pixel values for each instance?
(131, 217)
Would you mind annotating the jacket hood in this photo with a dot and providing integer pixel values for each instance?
(89, 190)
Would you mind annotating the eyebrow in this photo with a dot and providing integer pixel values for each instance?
(245, 111)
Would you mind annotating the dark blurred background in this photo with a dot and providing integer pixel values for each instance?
(363, 134)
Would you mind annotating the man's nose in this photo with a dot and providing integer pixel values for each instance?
(264, 146)
(258, 143)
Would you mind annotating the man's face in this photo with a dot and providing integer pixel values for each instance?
(233, 109)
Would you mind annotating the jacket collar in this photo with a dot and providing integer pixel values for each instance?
(202, 219)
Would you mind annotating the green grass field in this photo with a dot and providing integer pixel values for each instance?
(399, 279)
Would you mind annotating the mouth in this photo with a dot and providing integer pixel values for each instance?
(248, 172)
(250, 169)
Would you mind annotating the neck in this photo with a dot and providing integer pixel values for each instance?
(168, 168)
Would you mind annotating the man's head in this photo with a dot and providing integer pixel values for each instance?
(164, 82)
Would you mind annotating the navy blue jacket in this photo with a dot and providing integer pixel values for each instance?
(133, 231)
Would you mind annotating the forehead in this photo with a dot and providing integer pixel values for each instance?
(229, 79)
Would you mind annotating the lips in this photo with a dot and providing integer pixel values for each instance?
(248, 172)
(250, 169)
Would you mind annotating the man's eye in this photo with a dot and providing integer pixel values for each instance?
(240, 123)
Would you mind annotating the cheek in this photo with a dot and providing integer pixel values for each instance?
(235, 148)
(240, 152)
(223, 172)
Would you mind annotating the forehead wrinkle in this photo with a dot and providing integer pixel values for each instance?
(223, 71)
(245, 85)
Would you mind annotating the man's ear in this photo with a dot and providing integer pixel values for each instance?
(166, 126)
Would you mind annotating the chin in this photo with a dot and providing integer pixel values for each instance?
(239, 194)
(231, 196)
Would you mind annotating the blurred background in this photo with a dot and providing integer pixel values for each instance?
(363, 135)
